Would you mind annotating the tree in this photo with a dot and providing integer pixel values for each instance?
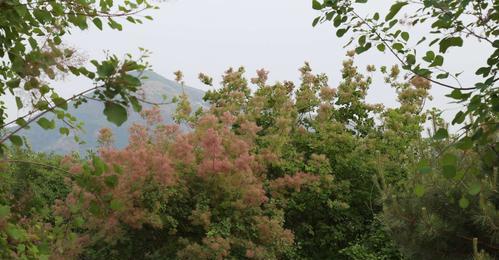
(33, 55)
(449, 24)
(454, 171)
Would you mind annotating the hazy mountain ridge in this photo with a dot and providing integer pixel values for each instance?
(155, 87)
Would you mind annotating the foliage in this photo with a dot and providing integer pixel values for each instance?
(450, 23)
(448, 200)
(27, 192)
(281, 172)
(34, 56)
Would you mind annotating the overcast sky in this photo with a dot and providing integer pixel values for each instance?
(212, 35)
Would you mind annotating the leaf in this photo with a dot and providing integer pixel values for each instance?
(111, 181)
(116, 205)
(137, 107)
(99, 165)
(459, 118)
(419, 190)
(474, 188)
(449, 159)
(405, 36)
(362, 40)
(465, 144)
(430, 55)
(64, 131)
(446, 43)
(14, 232)
(16, 140)
(106, 69)
(45, 123)
(4, 211)
(316, 5)
(424, 167)
(94, 208)
(398, 46)
(316, 21)
(438, 61)
(394, 10)
(464, 202)
(449, 171)
(341, 32)
(381, 47)
(115, 113)
(411, 59)
(441, 134)
(442, 75)
(98, 23)
(19, 103)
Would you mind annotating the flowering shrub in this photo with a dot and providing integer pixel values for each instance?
(287, 171)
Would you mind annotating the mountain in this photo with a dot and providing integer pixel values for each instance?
(154, 88)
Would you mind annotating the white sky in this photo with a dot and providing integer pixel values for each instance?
(212, 35)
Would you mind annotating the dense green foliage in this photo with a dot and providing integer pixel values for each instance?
(283, 172)
(268, 170)
(33, 55)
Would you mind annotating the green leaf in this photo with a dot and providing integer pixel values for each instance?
(443, 75)
(316, 21)
(4, 211)
(106, 69)
(449, 159)
(64, 131)
(111, 181)
(15, 232)
(60, 102)
(19, 103)
(316, 5)
(16, 140)
(419, 190)
(430, 55)
(398, 46)
(79, 221)
(438, 61)
(22, 123)
(341, 32)
(459, 118)
(465, 144)
(362, 40)
(411, 59)
(394, 10)
(449, 171)
(115, 113)
(99, 165)
(474, 188)
(405, 36)
(381, 47)
(98, 23)
(424, 167)
(94, 208)
(45, 123)
(116, 205)
(130, 19)
(464, 202)
(441, 134)
(137, 107)
(450, 42)
(12, 84)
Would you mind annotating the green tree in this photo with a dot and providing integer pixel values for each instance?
(448, 198)
(449, 24)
